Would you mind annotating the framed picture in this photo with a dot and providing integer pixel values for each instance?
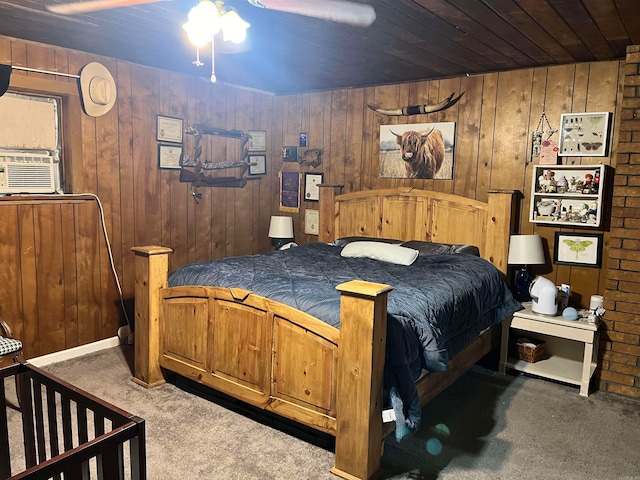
(169, 156)
(169, 129)
(578, 249)
(311, 186)
(289, 154)
(290, 191)
(584, 134)
(257, 140)
(439, 138)
(257, 164)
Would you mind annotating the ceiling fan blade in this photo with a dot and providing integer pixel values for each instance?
(86, 6)
(359, 14)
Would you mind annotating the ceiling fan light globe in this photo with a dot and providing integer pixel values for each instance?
(203, 23)
(205, 12)
(234, 28)
(196, 36)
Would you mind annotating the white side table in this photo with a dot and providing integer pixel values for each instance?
(571, 347)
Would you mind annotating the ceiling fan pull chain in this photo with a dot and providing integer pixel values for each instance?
(197, 61)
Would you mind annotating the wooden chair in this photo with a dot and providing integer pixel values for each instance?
(10, 348)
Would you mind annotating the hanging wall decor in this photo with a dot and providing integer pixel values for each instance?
(419, 150)
(290, 191)
(200, 173)
(542, 147)
(448, 102)
(311, 157)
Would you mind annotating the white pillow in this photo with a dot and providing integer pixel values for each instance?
(381, 251)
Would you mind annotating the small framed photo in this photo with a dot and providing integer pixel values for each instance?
(257, 164)
(584, 134)
(289, 154)
(312, 183)
(578, 249)
(169, 156)
(257, 140)
(169, 129)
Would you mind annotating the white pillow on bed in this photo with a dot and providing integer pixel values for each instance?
(384, 252)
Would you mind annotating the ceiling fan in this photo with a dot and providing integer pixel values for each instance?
(342, 11)
(209, 17)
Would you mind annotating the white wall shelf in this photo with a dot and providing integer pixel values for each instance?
(568, 195)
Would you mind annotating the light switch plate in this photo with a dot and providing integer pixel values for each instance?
(311, 218)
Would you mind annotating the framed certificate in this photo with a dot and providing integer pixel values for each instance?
(257, 140)
(169, 156)
(169, 129)
(257, 164)
(311, 186)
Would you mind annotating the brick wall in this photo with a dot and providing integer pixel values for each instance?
(620, 354)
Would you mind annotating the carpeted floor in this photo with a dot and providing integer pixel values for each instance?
(485, 426)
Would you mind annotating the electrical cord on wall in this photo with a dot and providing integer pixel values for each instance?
(108, 244)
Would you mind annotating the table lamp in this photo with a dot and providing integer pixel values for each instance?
(281, 230)
(525, 250)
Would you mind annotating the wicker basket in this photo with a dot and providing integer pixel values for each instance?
(528, 349)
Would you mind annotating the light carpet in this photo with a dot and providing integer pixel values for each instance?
(485, 426)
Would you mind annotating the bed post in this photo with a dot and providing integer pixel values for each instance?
(363, 329)
(327, 207)
(151, 273)
(500, 222)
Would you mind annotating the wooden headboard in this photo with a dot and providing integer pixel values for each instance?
(412, 214)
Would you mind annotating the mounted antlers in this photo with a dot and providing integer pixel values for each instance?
(419, 109)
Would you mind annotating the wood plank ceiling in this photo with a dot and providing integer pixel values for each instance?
(410, 39)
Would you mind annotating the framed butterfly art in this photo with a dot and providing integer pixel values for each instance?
(578, 249)
(584, 134)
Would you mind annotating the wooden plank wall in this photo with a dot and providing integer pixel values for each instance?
(146, 205)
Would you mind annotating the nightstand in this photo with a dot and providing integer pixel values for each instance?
(571, 347)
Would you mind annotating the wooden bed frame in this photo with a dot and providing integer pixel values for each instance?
(283, 360)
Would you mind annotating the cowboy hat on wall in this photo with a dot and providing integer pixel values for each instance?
(98, 89)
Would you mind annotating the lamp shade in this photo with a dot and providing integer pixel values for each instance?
(525, 250)
(281, 227)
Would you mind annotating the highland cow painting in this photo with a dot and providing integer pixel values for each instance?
(419, 150)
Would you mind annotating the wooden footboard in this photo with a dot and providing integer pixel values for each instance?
(271, 355)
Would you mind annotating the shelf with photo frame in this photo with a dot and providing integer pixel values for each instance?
(568, 195)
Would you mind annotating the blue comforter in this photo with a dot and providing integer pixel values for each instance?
(438, 305)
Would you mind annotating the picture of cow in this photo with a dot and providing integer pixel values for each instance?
(419, 151)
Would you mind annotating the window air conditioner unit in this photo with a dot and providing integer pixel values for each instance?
(27, 173)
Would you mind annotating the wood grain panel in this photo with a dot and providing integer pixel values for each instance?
(108, 191)
(70, 267)
(49, 282)
(145, 174)
(175, 330)
(511, 128)
(395, 211)
(366, 214)
(304, 367)
(487, 136)
(468, 137)
(10, 273)
(125, 175)
(448, 229)
(87, 233)
(28, 280)
(241, 343)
